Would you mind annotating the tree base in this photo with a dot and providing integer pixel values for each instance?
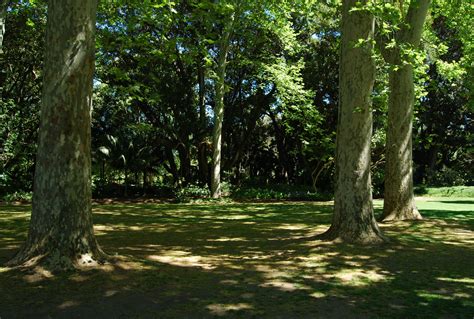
(58, 261)
(398, 215)
(371, 237)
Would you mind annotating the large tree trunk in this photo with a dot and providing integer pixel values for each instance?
(219, 109)
(353, 218)
(399, 202)
(61, 231)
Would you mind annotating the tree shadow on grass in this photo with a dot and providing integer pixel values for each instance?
(248, 260)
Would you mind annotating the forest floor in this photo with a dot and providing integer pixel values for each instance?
(250, 260)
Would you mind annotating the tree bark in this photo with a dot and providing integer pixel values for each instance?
(353, 219)
(284, 171)
(219, 109)
(3, 14)
(61, 231)
(399, 201)
(202, 92)
(202, 148)
(184, 163)
(173, 169)
(203, 162)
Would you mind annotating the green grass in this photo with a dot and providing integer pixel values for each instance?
(251, 260)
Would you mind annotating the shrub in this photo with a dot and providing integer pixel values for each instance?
(278, 192)
(447, 177)
(17, 196)
(453, 191)
(189, 192)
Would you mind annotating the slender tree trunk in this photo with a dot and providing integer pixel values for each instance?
(102, 178)
(353, 218)
(3, 14)
(202, 92)
(283, 158)
(219, 110)
(184, 163)
(203, 162)
(202, 148)
(61, 231)
(173, 169)
(399, 201)
(125, 191)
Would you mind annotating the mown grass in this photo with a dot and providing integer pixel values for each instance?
(251, 260)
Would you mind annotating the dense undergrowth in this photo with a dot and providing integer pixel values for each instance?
(244, 193)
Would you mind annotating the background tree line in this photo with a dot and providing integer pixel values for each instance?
(161, 75)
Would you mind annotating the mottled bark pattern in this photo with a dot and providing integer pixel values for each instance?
(399, 202)
(61, 231)
(353, 219)
(219, 110)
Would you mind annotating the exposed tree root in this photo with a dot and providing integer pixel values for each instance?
(57, 260)
(368, 238)
(397, 215)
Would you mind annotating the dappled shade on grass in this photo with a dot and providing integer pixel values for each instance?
(247, 260)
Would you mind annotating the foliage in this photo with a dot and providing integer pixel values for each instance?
(452, 191)
(20, 87)
(154, 94)
(17, 196)
(448, 177)
(190, 192)
(278, 192)
(443, 125)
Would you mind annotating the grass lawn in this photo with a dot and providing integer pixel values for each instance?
(251, 260)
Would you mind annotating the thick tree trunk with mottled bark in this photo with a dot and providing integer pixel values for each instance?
(61, 231)
(219, 109)
(353, 218)
(399, 202)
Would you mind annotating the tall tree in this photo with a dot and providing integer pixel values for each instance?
(399, 202)
(353, 218)
(61, 231)
(243, 27)
(223, 51)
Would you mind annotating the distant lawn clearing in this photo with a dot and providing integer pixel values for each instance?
(251, 260)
